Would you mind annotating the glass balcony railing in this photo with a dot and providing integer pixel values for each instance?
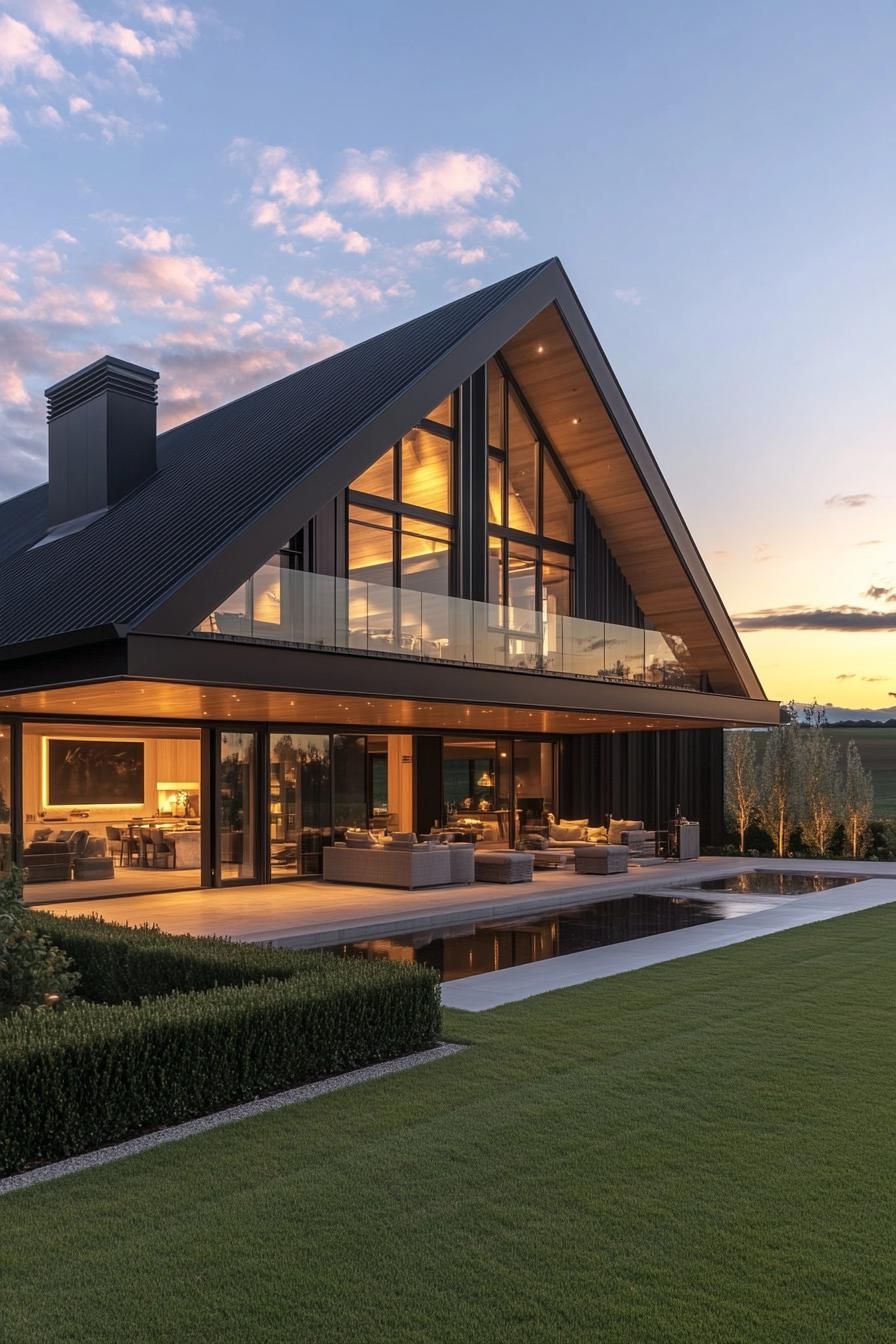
(318, 611)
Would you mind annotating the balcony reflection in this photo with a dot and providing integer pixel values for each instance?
(321, 612)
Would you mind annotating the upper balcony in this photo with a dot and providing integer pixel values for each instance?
(317, 611)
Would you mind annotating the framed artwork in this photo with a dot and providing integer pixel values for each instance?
(93, 773)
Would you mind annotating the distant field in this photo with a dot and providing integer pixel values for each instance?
(878, 750)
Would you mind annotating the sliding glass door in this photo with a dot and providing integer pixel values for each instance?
(236, 808)
(299, 823)
(6, 848)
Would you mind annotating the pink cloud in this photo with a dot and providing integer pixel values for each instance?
(22, 52)
(443, 180)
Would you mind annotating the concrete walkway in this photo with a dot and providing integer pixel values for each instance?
(481, 992)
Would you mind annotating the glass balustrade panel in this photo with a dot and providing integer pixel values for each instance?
(320, 611)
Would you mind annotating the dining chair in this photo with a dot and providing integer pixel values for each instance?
(161, 848)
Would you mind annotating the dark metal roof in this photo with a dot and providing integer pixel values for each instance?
(216, 474)
(23, 521)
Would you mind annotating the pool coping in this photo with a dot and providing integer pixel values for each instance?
(479, 993)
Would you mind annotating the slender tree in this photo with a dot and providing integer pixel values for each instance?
(741, 781)
(820, 785)
(779, 804)
(859, 799)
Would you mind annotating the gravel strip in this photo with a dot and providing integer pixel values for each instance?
(100, 1156)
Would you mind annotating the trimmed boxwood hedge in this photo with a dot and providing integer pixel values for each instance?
(95, 1073)
(123, 963)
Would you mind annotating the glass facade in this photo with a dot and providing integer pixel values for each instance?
(5, 798)
(237, 807)
(409, 541)
(299, 803)
(476, 789)
(530, 511)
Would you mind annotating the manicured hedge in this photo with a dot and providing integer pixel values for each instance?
(120, 963)
(95, 1073)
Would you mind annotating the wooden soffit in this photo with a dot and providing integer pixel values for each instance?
(640, 522)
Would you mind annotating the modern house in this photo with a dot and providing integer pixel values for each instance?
(436, 578)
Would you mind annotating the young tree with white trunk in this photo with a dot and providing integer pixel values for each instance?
(779, 806)
(741, 781)
(821, 786)
(859, 799)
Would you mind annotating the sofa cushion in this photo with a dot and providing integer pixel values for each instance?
(596, 835)
(617, 827)
(566, 830)
(361, 840)
(537, 842)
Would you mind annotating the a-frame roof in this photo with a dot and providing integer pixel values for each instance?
(234, 484)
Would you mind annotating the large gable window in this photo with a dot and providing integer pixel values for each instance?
(530, 511)
(401, 523)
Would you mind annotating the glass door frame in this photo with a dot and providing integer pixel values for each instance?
(271, 734)
(211, 778)
(14, 801)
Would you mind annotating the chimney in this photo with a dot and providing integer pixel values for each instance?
(102, 429)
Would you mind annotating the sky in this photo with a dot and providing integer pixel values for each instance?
(228, 192)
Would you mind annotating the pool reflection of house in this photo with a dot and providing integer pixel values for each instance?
(435, 578)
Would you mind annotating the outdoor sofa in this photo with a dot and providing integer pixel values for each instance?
(399, 862)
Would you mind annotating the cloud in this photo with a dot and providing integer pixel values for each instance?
(762, 552)
(213, 335)
(629, 296)
(848, 501)
(324, 227)
(108, 51)
(437, 182)
(22, 52)
(275, 174)
(147, 240)
(454, 251)
(875, 593)
(339, 293)
(48, 116)
(845, 676)
(200, 374)
(66, 22)
(845, 618)
(155, 281)
(8, 133)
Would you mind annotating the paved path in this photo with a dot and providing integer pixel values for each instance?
(481, 992)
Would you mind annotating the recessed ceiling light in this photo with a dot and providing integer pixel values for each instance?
(540, 349)
(577, 419)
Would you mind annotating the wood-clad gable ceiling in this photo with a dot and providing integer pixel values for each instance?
(561, 392)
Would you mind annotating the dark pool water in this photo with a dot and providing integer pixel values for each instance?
(495, 945)
(759, 883)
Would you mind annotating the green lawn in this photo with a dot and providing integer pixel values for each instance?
(699, 1151)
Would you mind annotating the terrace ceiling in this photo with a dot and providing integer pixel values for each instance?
(124, 699)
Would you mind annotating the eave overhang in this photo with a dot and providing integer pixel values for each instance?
(262, 681)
